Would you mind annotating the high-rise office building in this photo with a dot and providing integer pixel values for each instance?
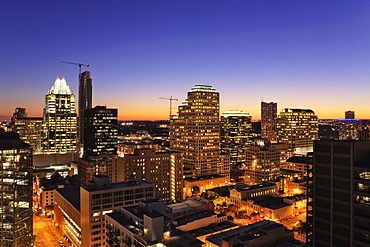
(268, 120)
(20, 112)
(298, 128)
(236, 135)
(29, 130)
(262, 161)
(341, 193)
(164, 169)
(84, 101)
(348, 128)
(350, 115)
(16, 227)
(195, 131)
(60, 119)
(101, 131)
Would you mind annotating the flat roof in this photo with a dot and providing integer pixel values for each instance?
(253, 187)
(301, 160)
(118, 185)
(10, 140)
(183, 220)
(117, 216)
(239, 232)
(215, 227)
(203, 178)
(71, 194)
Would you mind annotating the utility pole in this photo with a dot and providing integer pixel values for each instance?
(170, 99)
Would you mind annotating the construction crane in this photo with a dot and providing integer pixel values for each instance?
(170, 99)
(78, 64)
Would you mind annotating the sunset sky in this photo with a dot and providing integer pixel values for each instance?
(300, 54)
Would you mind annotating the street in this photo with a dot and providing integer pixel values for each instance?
(46, 233)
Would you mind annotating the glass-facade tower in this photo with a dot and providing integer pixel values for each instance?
(60, 119)
(16, 225)
(236, 135)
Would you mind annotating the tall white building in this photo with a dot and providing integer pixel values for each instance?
(60, 119)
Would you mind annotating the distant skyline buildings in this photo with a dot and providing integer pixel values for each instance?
(236, 135)
(350, 115)
(156, 55)
(298, 128)
(268, 120)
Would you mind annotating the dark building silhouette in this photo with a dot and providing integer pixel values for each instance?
(84, 100)
(268, 120)
(16, 225)
(350, 114)
(341, 193)
(100, 131)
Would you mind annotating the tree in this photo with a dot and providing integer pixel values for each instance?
(301, 228)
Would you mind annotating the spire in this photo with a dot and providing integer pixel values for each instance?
(60, 87)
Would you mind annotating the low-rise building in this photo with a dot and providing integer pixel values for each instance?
(147, 224)
(190, 205)
(240, 193)
(195, 186)
(198, 219)
(79, 211)
(260, 234)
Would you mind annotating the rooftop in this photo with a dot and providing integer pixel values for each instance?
(71, 194)
(247, 232)
(118, 185)
(212, 228)
(194, 216)
(10, 140)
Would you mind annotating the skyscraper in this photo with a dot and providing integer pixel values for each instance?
(84, 101)
(101, 131)
(236, 135)
(60, 120)
(298, 128)
(195, 131)
(341, 193)
(20, 112)
(16, 192)
(350, 115)
(268, 120)
(29, 130)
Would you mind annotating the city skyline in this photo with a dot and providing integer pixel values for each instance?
(311, 55)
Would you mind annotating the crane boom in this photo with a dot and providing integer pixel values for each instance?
(170, 99)
(78, 64)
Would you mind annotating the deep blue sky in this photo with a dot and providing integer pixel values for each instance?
(307, 54)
